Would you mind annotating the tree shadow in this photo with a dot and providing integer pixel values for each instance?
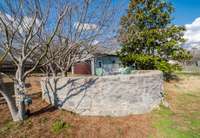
(35, 95)
(48, 108)
(171, 77)
(74, 88)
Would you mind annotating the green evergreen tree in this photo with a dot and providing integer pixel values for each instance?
(149, 39)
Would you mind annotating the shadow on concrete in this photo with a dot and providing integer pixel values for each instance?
(76, 88)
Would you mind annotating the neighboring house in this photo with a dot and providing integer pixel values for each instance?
(192, 65)
(195, 61)
(102, 61)
(9, 67)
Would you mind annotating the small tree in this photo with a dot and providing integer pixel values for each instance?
(148, 38)
(26, 33)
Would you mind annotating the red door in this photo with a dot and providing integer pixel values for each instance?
(82, 68)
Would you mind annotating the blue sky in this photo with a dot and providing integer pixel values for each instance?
(186, 11)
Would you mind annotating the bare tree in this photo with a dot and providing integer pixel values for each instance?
(27, 30)
(84, 25)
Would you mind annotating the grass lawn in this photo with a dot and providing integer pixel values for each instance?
(180, 120)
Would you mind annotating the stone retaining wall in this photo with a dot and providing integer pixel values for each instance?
(117, 95)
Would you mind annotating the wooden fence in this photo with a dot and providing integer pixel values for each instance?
(191, 69)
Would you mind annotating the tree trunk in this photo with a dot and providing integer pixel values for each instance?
(20, 91)
(63, 74)
(10, 102)
(53, 71)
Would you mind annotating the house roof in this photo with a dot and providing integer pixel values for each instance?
(101, 50)
(8, 59)
(107, 48)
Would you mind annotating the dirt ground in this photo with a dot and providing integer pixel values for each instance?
(39, 124)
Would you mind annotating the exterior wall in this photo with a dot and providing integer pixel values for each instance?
(105, 65)
(114, 95)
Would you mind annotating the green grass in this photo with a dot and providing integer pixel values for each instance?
(188, 73)
(183, 120)
(167, 126)
(60, 125)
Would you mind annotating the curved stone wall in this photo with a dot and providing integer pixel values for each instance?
(117, 95)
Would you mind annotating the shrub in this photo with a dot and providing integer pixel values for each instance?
(59, 125)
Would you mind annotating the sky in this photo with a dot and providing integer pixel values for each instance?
(186, 11)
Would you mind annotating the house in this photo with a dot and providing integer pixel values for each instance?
(9, 67)
(101, 61)
(195, 61)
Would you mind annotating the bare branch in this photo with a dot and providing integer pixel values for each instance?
(62, 14)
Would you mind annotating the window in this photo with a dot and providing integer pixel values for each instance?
(100, 64)
(113, 62)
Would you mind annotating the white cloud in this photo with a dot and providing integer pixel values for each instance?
(192, 34)
(24, 26)
(85, 26)
(95, 42)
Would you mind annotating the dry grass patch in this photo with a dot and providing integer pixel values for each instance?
(181, 120)
(47, 121)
